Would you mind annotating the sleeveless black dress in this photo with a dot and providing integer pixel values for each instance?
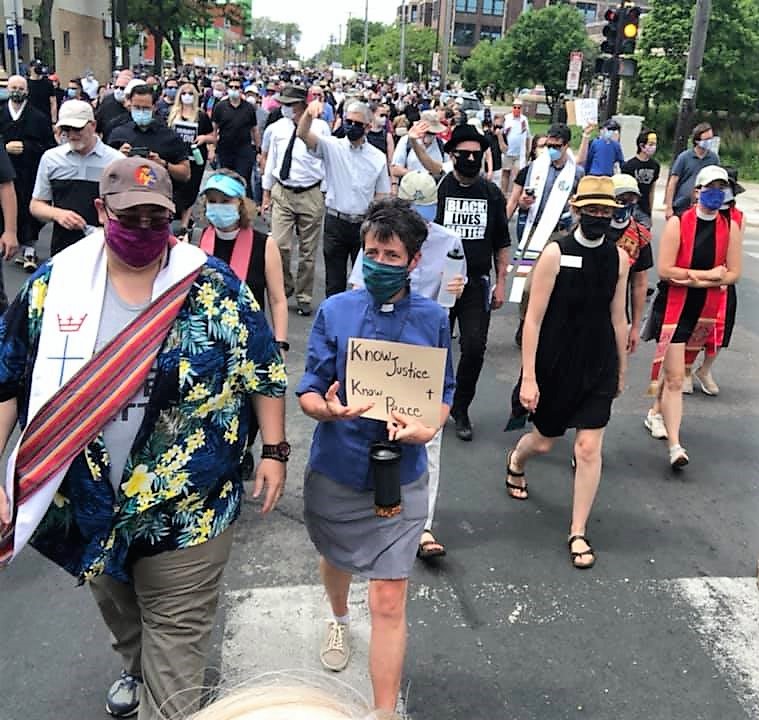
(576, 364)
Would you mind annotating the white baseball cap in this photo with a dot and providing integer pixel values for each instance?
(131, 85)
(711, 173)
(419, 187)
(75, 114)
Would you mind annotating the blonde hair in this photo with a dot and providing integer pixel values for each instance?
(247, 207)
(176, 109)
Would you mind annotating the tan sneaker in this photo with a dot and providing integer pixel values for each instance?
(688, 384)
(706, 381)
(336, 648)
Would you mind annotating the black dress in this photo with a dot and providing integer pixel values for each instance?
(186, 193)
(704, 250)
(576, 363)
(256, 275)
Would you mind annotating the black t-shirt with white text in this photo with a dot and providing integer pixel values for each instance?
(477, 214)
(646, 173)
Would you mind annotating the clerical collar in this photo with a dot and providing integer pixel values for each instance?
(701, 215)
(227, 234)
(582, 240)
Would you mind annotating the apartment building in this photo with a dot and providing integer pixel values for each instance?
(475, 20)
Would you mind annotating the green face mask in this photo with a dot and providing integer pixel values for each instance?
(383, 281)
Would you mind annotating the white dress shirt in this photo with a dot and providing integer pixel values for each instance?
(354, 174)
(406, 157)
(306, 169)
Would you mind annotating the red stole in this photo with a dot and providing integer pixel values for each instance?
(710, 327)
(241, 252)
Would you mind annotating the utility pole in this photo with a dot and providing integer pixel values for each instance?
(348, 31)
(402, 68)
(447, 29)
(690, 85)
(366, 36)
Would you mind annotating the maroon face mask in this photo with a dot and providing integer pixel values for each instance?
(136, 247)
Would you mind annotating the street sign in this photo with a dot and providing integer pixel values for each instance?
(436, 62)
(575, 69)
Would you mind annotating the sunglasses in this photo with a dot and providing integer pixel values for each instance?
(458, 154)
(234, 87)
(353, 123)
(554, 146)
(68, 129)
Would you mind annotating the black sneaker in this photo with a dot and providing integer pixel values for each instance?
(123, 699)
(463, 426)
(30, 262)
(304, 309)
(518, 335)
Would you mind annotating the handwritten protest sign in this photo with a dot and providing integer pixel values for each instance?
(586, 111)
(407, 379)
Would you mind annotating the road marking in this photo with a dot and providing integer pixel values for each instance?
(753, 255)
(751, 243)
(728, 624)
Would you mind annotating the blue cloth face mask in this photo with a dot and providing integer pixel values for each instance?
(428, 212)
(707, 144)
(623, 214)
(142, 117)
(712, 198)
(222, 215)
(382, 281)
(554, 154)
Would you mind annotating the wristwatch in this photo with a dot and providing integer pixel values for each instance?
(280, 452)
(283, 345)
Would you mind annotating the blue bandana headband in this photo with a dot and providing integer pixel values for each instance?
(225, 184)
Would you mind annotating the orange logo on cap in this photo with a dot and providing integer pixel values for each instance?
(145, 176)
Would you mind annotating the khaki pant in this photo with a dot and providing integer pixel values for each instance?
(162, 623)
(304, 211)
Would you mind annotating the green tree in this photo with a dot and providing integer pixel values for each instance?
(485, 67)
(729, 79)
(274, 40)
(385, 51)
(536, 48)
(355, 33)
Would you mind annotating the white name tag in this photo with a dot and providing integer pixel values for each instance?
(571, 261)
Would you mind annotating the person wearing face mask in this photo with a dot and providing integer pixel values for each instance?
(74, 91)
(699, 256)
(542, 198)
(379, 136)
(27, 135)
(682, 177)
(90, 86)
(124, 319)
(474, 209)
(60, 93)
(41, 91)
(514, 140)
(339, 508)
(645, 169)
(194, 129)
(236, 127)
(420, 189)
(420, 149)
(604, 155)
(635, 239)
(573, 354)
(292, 189)
(356, 175)
(114, 109)
(67, 177)
(166, 101)
(214, 95)
(146, 135)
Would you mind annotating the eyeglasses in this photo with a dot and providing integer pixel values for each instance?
(554, 146)
(139, 217)
(234, 87)
(68, 129)
(353, 123)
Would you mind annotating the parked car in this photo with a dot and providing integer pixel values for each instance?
(469, 103)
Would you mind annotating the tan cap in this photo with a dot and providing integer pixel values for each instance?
(135, 181)
(595, 190)
(75, 114)
(624, 183)
(430, 117)
(419, 187)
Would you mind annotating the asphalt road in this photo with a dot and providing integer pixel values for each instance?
(664, 626)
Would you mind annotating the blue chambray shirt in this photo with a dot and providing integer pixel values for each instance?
(340, 449)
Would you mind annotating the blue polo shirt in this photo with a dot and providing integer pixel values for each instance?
(602, 154)
(340, 448)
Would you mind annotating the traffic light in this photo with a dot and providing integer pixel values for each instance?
(611, 31)
(629, 24)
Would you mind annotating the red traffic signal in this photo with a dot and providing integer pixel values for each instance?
(611, 15)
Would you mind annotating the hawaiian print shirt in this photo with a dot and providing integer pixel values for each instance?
(182, 482)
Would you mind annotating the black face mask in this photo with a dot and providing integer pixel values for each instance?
(594, 227)
(18, 96)
(469, 165)
(354, 132)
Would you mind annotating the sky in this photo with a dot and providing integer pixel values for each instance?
(318, 19)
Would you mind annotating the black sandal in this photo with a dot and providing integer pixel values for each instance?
(511, 486)
(574, 555)
(430, 548)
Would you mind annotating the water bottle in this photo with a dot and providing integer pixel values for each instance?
(454, 265)
(88, 230)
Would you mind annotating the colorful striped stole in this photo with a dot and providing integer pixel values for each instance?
(80, 408)
(709, 329)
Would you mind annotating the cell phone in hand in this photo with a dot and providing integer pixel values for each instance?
(139, 152)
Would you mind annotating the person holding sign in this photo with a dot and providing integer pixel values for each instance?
(419, 187)
(353, 532)
(574, 353)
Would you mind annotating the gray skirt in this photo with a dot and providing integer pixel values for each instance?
(350, 536)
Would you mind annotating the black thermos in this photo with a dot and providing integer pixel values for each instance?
(385, 462)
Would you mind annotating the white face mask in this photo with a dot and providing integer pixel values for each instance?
(187, 98)
(288, 112)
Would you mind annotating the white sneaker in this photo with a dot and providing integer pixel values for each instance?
(706, 381)
(688, 384)
(336, 648)
(678, 458)
(655, 423)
